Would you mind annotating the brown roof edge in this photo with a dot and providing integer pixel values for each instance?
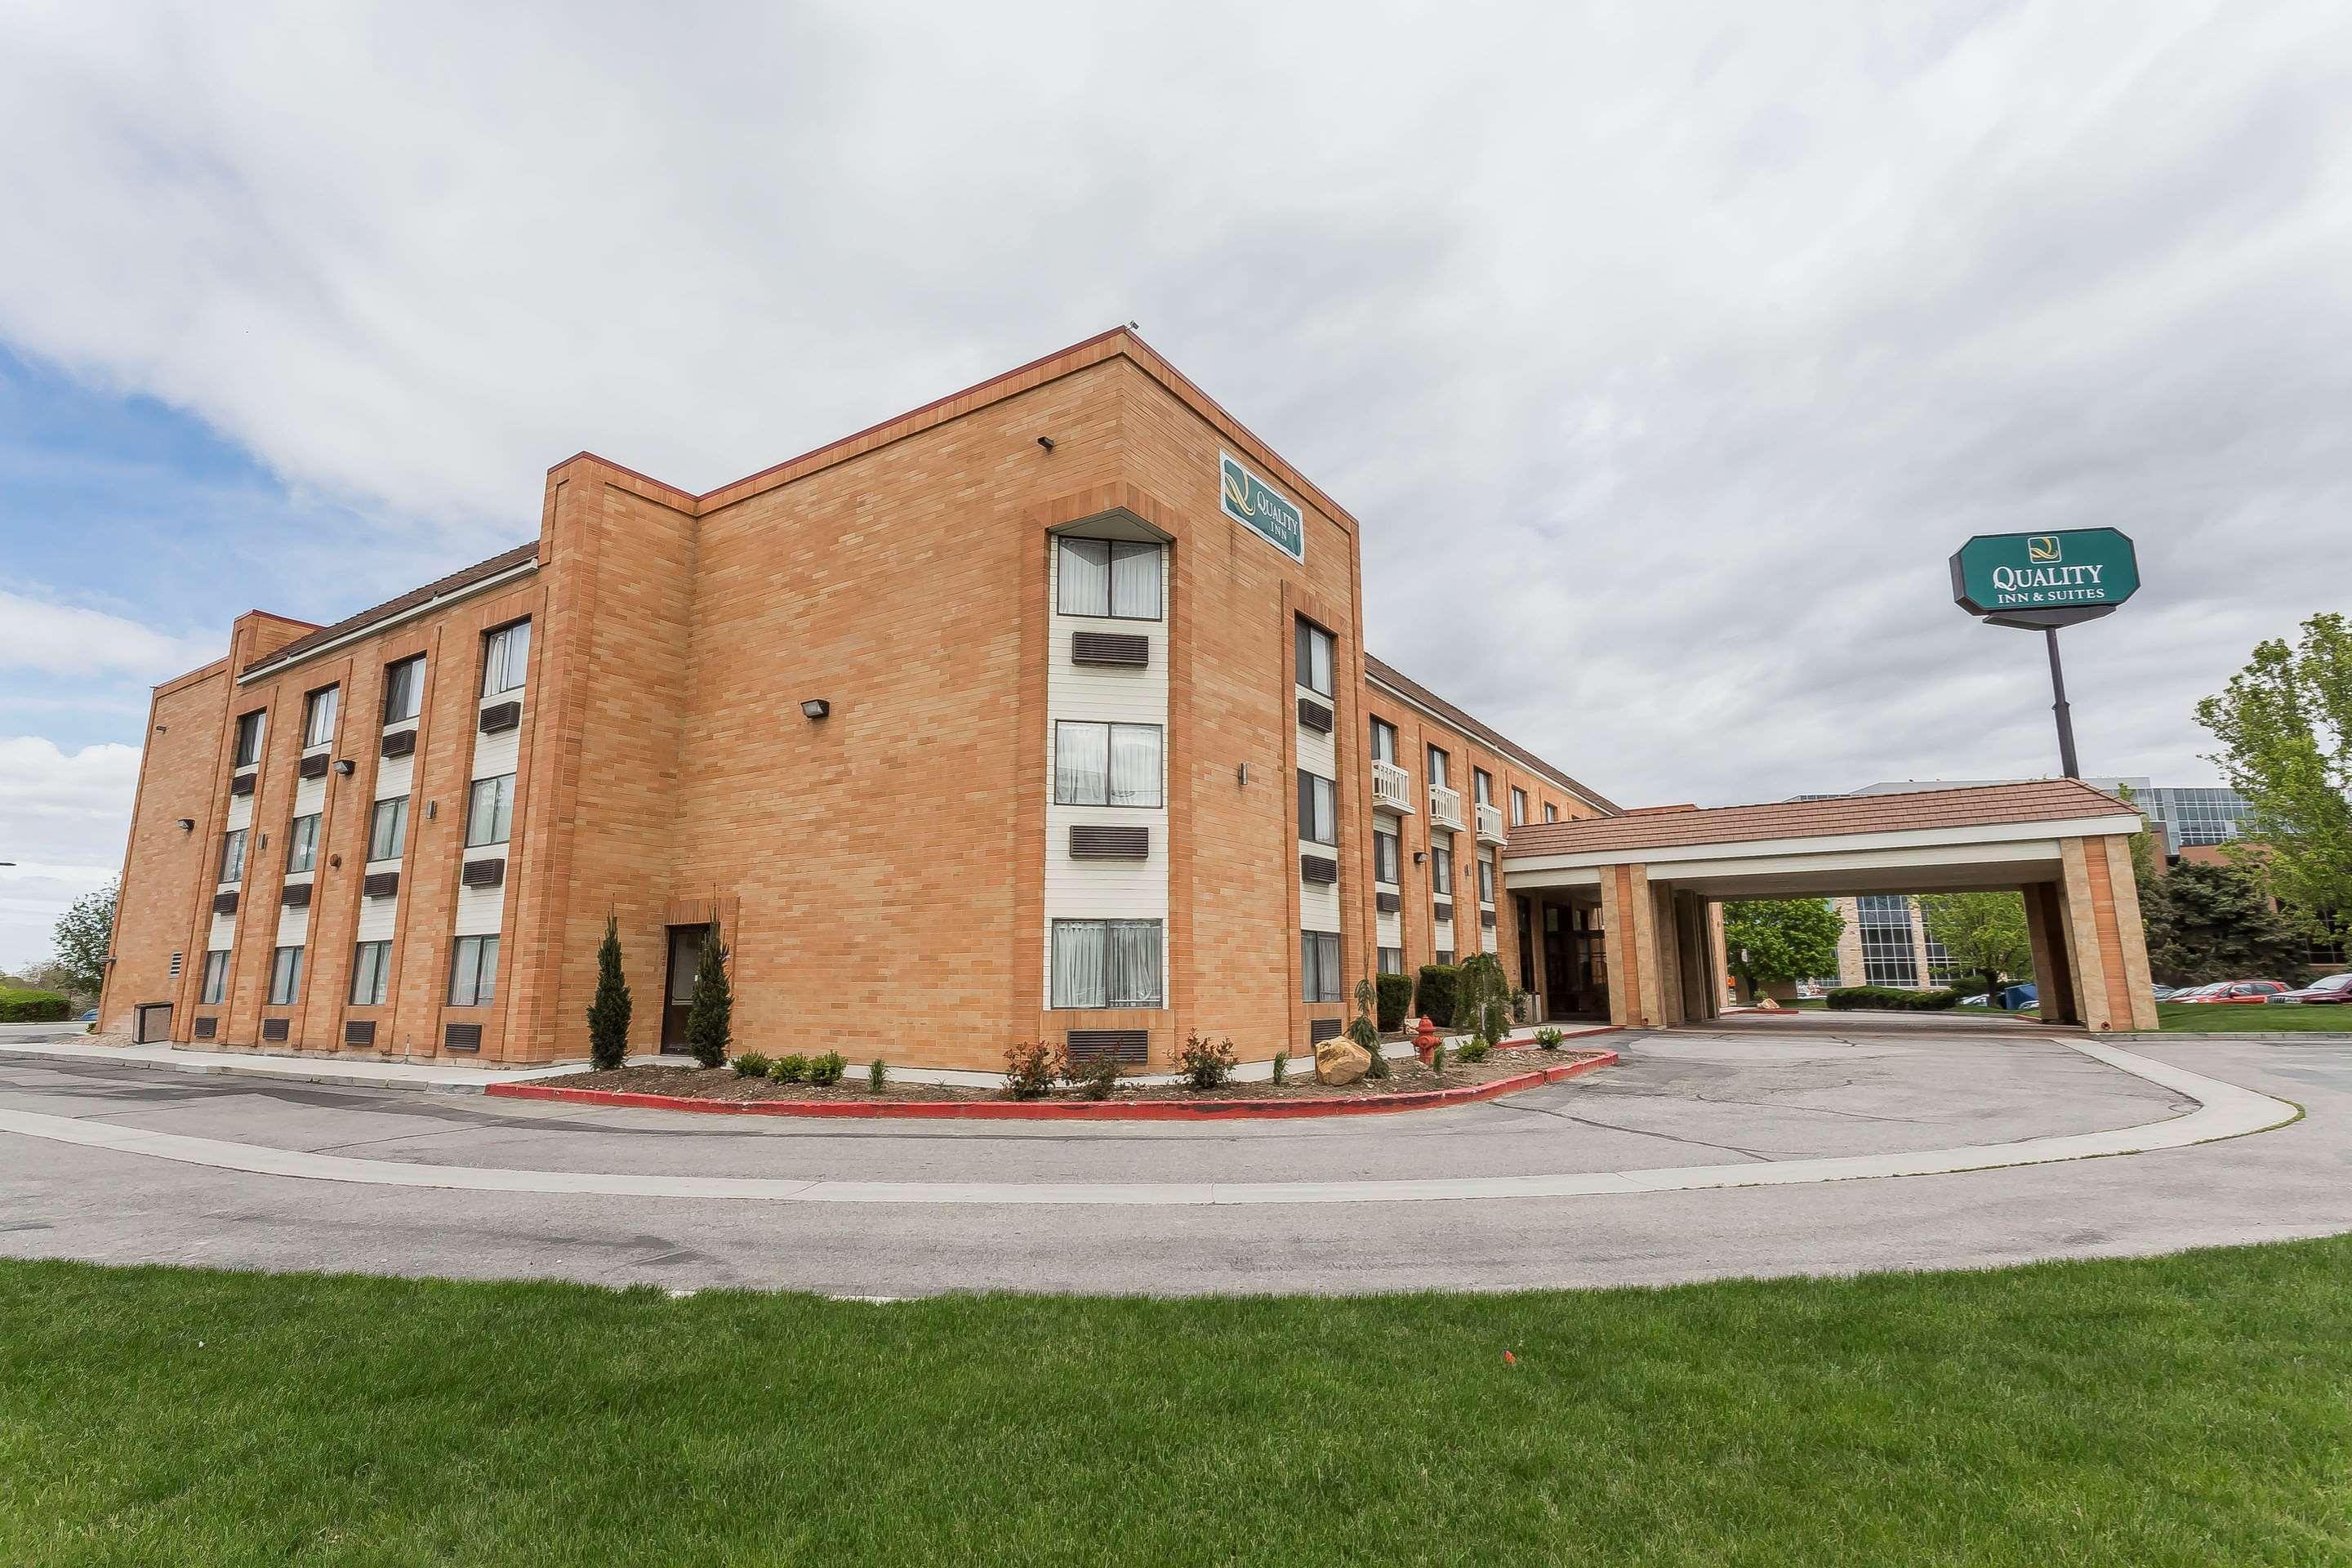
(454, 583)
(1389, 674)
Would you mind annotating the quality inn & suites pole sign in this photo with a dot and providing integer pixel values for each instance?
(2042, 581)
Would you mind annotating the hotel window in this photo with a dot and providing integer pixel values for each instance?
(403, 690)
(1486, 877)
(1437, 767)
(1384, 741)
(318, 717)
(1109, 577)
(216, 977)
(303, 850)
(1481, 786)
(506, 657)
(248, 737)
(1887, 957)
(1385, 856)
(1392, 961)
(1319, 809)
(1441, 865)
(232, 862)
(473, 971)
(1314, 658)
(1105, 963)
(1551, 812)
(489, 813)
(1106, 764)
(388, 833)
(1445, 955)
(370, 971)
(284, 976)
(1518, 806)
(1318, 966)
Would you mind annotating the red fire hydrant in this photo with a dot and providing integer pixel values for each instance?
(1425, 1039)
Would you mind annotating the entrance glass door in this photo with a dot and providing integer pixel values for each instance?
(1576, 963)
(677, 996)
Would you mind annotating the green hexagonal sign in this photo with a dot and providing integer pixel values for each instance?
(2044, 578)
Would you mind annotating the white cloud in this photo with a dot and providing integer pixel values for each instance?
(64, 819)
(52, 638)
(1664, 350)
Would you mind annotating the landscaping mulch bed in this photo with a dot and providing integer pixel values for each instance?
(1405, 1077)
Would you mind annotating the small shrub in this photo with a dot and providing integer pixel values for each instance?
(1282, 1065)
(789, 1069)
(1474, 1051)
(1032, 1067)
(751, 1063)
(878, 1076)
(1396, 1001)
(1203, 1064)
(1549, 1039)
(1846, 999)
(608, 1010)
(23, 1007)
(1435, 997)
(825, 1071)
(1437, 1058)
(1379, 1066)
(1096, 1078)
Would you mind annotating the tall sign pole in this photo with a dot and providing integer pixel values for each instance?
(2043, 581)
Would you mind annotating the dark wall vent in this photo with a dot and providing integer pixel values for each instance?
(242, 784)
(1486, 919)
(400, 743)
(1313, 715)
(1120, 1045)
(1109, 841)
(380, 884)
(485, 873)
(296, 896)
(462, 1036)
(315, 767)
(225, 903)
(500, 716)
(1388, 903)
(358, 1031)
(1321, 1029)
(206, 1028)
(1444, 912)
(1317, 868)
(275, 1029)
(1110, 647)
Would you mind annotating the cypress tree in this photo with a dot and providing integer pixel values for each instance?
(608, 1015)
(710, 1018)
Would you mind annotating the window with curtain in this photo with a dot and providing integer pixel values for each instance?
(1319, 809)
(1386, 855)
(1438, 768)
(232, 862)
(473, 971)
(1392, 961)
(388, 831)
(1441, 865)
(1106, 963)
(1481, 786)
(403, 690)
(1106, 764)
(1113, 577)
(489, 813)
(318, 717)
(1551, 812)
(1445, 955)
(284, 976)
(1318, 966)
(215, 976)
(302, 843)
(1384, 741)
(371, 973)
(1518, 806)
(1486, 878)
(506, 657)
(248, 737)
(1314, 658)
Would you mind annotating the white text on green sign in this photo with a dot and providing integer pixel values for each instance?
(1246, 498)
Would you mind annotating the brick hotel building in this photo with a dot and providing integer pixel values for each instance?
(1044, 710)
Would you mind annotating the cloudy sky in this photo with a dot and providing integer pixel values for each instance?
(1665, 351)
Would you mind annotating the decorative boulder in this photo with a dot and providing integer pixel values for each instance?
(1340, 1060)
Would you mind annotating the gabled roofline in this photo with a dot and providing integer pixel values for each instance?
(1414, 695)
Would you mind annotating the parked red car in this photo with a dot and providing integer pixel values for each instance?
(2256, 991)
(2336, 989)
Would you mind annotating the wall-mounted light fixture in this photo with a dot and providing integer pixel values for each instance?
(345, 767)
(334, 862)
(1417, 857)
(1046, 442)
(432, 809)
(815, 707)
(187, 824)
(1241, 776)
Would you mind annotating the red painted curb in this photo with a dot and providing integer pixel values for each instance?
(1062, 1110)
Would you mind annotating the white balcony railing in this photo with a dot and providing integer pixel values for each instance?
(1490, 823)
(1392, 787)
(1444, 805)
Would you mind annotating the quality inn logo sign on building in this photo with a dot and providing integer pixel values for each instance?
(1248, 499)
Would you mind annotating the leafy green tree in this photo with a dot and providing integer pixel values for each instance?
(1484, 998)
(709, 1017)
(608, 1013)
(2215, 922)
(2284, 723)
(1770, 942)
(1984, 933)
(84, 934)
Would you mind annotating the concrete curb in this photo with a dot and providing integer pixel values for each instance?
(1064, 1110)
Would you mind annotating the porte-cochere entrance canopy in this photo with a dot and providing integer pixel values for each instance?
(1652, 882)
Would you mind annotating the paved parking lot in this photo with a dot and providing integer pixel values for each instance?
(1677, 1100)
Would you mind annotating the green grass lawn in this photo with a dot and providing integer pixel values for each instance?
(2232, 1019)
(2195, 1409)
